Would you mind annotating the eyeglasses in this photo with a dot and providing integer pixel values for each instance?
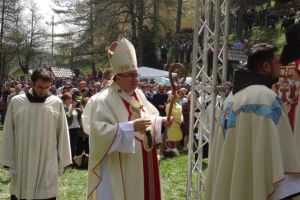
(130, 75)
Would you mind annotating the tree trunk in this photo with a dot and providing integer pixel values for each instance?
(178, 27)
(140, 11)
(92, 51)
(132, 21)
(1, 40)
(155, 15)
(240, 21)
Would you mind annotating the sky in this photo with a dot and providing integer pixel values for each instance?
(45, 10)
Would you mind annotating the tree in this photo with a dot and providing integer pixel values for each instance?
(10, 10)
(99, 22)
(178, 26)
(33, 38)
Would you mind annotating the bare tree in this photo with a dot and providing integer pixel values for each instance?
(9, 10)
(178, 26)
(33, 37)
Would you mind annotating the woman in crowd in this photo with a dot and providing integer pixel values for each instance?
(72, 118)
(174, 134)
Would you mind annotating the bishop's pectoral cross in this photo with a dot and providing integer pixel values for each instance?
(136, 113)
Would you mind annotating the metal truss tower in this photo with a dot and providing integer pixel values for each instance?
(209, 73)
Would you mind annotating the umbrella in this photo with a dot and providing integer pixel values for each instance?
(162, 81)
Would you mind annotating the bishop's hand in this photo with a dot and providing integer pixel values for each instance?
(166, 123)
(140, 125)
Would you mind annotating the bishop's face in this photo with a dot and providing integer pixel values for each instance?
(128, 81)
(41, 87)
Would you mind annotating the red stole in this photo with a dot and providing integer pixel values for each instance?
(150, 163)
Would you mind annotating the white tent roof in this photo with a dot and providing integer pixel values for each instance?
(62, 72)
(147, 72)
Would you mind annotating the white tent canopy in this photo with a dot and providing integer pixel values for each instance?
(149, 73)
(60, 72)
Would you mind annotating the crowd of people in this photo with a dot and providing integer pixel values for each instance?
(75, 93)
(266, 17)
(78, 102)
(119, 121)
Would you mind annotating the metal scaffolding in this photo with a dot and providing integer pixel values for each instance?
(210, 47)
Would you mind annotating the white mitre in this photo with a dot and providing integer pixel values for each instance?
(122, 56)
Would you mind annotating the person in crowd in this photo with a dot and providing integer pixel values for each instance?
(181, 96)
(26, 88)
(151, 91)
(287, 22)
(248, 19)
(160, 99)
(123, 128)
(17, 90)
(174, 133)
(164, 54)
(107, 76)
(82, 85)
(3, 100)
(253, 137)
(145, 88)
(65, 89)
(70, 105)
(83, 139)
(97, 87)
(35, 143)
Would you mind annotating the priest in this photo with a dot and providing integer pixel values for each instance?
(35, 144)
(124, 129)
(254, 153)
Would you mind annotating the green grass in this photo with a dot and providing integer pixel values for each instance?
(72, 185)
(4, 184)
(173, 174)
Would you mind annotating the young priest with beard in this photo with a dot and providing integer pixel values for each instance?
(35, 144)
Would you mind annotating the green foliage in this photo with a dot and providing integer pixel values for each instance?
(101, 65)
(263, 34)
(273, 36)
(149, 47)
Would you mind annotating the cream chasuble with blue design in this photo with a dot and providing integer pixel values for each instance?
(253, 155)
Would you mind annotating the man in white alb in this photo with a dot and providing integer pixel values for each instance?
(35, 145)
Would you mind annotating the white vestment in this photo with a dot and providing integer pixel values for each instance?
(254, 153)
(36, 145)
(117, 159)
